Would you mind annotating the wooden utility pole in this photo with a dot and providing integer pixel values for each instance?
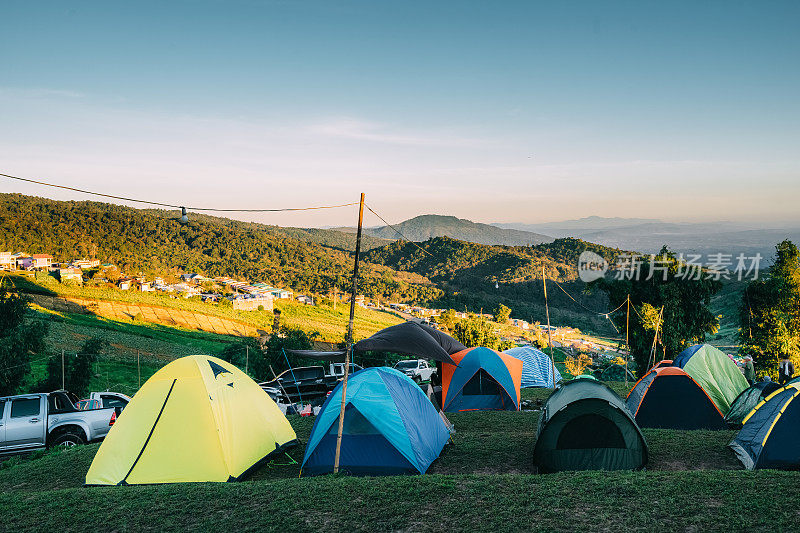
(549, 337)
(349, 338)
(627, 338)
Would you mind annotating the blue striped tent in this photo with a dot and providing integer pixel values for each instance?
(537, 370)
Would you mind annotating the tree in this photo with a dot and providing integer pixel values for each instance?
(275, 355)
(77, 369)
(476, 332)
(502, 314)
(447, 319)
(17, 340)
(80, 366)
(685, 319)
(770, 313)
(243, 354)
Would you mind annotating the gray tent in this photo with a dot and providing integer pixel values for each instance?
(585, 426)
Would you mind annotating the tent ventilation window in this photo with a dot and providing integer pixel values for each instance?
(481, 384)
(354, 424)
(590, 431)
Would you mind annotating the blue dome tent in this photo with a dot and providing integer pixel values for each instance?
(537, 369)
(390, 427)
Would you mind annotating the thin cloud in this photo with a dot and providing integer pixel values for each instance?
(360, 130)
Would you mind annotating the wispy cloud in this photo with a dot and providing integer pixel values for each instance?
(361, 130)
(39, 92)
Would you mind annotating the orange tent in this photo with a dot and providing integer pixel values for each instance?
(483, 380)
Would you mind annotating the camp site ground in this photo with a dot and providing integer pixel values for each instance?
(484, 481)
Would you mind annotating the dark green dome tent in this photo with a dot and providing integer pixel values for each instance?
(614, 372)
(668, 398)
(747, 400)
(586, 426)
(770, 437)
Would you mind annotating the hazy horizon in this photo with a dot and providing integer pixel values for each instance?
(512, 113)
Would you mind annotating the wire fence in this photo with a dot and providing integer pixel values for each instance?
(116, 372)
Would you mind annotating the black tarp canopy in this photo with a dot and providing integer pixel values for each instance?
(413, 339)
(447, 342)
(321, 356)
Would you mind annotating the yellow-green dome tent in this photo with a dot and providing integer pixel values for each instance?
(715, 372)
(197, 419)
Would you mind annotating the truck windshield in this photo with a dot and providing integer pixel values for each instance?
(304, 373)
(405, 365)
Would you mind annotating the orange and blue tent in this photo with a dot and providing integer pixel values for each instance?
(483, 380)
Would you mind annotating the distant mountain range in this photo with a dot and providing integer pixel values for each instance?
(424, 227)
(649, 235)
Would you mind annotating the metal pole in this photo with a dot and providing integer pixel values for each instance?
(549, 338)
(349, 338)
(62, 369)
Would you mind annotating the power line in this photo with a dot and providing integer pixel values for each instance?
(161, 204)
(399, 232)
(586, 308)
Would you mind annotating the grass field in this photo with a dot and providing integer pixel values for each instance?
(329, 324)
(485, 481)
(116, 369)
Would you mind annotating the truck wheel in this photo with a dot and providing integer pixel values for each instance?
(67, 440)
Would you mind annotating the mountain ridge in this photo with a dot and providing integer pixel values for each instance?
(424, 227)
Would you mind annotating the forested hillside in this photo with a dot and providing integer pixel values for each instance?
(153, 241)
(478, 276)
(448, 273)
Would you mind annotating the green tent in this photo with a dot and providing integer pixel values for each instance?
(614, 372)
(585, 426)
(715, 372)
(747, 400)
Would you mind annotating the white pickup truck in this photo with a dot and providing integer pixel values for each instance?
(34, 421)
(111, 399)
(417, 369)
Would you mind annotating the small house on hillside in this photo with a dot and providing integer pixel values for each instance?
(7, 260)
(306, 300)
(282, 294)
(522, 324)
(124, 284)
(41, 261)
(86, 263)
(146, 286)
(72, 275)
(253, 302)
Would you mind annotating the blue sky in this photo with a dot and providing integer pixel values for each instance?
(492, 111)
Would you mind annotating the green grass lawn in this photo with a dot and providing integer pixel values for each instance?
(484, 481)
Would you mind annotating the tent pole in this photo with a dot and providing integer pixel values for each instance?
(549, 339)
(349, 338)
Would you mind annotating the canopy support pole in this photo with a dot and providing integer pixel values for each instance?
(549, 338)
(627, 338)
(349, 338)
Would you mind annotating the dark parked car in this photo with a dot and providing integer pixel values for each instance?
(306, 384)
